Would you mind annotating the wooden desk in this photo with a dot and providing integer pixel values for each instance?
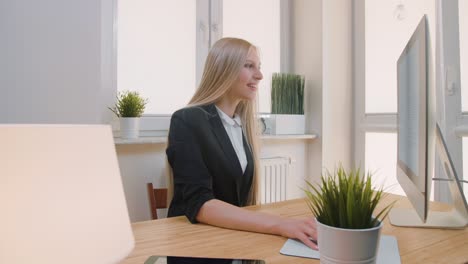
(177, 237)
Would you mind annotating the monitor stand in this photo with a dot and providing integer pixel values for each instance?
(409, 218)
(457, 218)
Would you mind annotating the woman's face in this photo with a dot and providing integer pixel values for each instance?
(246, 86)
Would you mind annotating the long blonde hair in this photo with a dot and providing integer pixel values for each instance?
(222, 68)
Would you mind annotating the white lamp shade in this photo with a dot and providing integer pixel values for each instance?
(61, 196)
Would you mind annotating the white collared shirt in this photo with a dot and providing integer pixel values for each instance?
(233, 127)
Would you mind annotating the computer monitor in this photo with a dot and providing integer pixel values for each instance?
(419, 137)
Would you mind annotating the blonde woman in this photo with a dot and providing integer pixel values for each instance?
(213, 150)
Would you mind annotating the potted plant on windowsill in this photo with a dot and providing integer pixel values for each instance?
(287, 104)
(344, 205)
(129, 108)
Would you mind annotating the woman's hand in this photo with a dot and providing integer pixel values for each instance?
(303, 229)
(218, 213)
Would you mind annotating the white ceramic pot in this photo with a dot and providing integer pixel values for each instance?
(348, 246)
(287, 124)
(129, 127)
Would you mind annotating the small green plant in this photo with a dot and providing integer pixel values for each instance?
(346, 200)
(287, 94)
(129, 104)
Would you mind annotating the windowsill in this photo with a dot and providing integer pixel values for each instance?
(140, 140)
(288, 137)
(163, 140)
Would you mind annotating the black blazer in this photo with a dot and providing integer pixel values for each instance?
(204, 162)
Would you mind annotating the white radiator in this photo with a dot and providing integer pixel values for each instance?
(274, 173)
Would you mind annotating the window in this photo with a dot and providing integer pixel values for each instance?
(162, 45)
(381, 37)
(263, 30)
(381, 158)
(383, 42)
(156, 44)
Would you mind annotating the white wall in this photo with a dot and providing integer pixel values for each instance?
(307, 60)
(297, 150)
(337, 88)
(449, 103)
(140, 164)
(51, 59)
(463, 30)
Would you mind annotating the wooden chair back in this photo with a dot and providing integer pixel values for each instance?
(157, 199)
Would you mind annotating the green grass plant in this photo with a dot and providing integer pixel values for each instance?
(287, 94)
(346, 200)
(129, 104)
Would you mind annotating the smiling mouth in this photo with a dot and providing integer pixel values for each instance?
(252, 86)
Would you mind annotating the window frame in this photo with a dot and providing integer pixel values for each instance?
(455, 122)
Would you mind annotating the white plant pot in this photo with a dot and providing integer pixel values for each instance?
(346, 246)
(129, 127)
(287, 124)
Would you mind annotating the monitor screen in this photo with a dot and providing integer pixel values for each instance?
(412, 106)
(412, 160)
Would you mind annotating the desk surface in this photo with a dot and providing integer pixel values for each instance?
(177, 237)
